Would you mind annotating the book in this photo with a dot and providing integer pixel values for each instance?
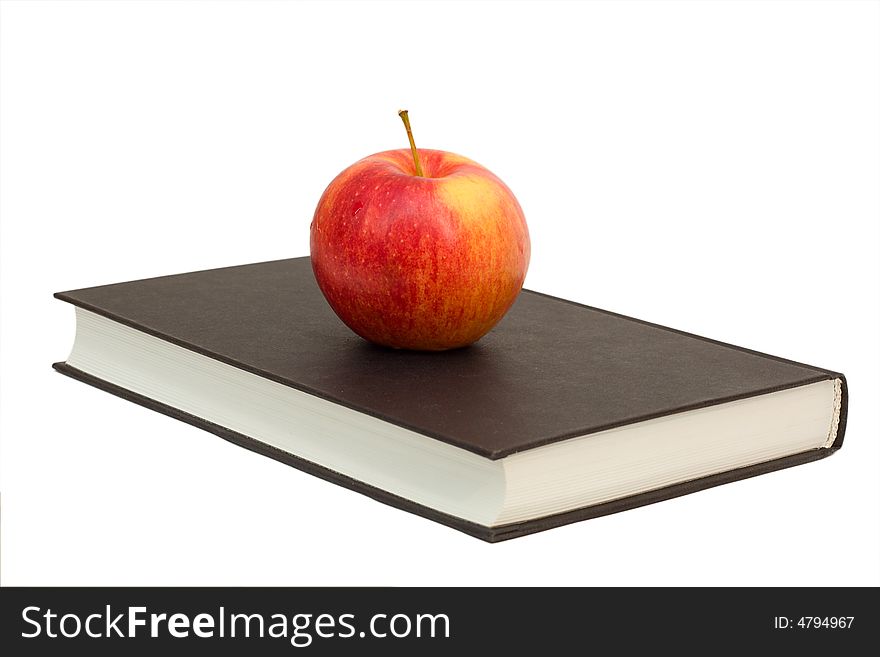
(561, 413)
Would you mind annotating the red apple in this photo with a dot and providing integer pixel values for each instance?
(419, 249)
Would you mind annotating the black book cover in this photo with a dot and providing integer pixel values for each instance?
(551, 370)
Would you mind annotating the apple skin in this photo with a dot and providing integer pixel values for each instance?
(426, 262)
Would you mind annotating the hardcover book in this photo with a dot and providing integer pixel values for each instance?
(561, 413)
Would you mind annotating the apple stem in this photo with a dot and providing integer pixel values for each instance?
(404, 114)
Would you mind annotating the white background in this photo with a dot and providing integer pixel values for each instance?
(709, 166)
